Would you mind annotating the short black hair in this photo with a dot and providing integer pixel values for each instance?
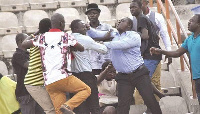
(19, 38)
(44, 25)
(74, 24)
(198, 17)
(138, 2)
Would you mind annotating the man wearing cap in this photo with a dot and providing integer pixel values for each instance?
(97, 59)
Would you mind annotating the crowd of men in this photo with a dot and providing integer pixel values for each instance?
(59, 63)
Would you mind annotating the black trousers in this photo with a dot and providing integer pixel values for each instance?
(92, 102)
(126, 86)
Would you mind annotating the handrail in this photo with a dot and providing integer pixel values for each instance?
(176, 35)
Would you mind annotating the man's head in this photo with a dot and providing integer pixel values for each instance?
(57, 21)
(93, 12)
(44, 25)
(125, 24)
(194, 23)
(145, 6)
(78, 26)
(135, 7)
(20, 38)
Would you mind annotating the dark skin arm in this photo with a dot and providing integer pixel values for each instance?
(27, 43)
(77, 47)
(104, 73)
(176, 53)
(144, 35)
(26, 64)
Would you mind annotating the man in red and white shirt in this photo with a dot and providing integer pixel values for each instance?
(55, 51)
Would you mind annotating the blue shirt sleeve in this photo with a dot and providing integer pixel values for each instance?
(96, 34)
(185, 44)
(131, 39)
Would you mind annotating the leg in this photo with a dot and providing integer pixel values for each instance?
(125, 95)
(38, 109)
(93, 100)
(83, 108)
(156, 77)
(58, 89)
(197, 87)
(27, 104)
(156, 91)
(145, 89)
(41, 96)
(109, 110)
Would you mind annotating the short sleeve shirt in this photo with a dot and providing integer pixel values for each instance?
(192, 45)
(55, 52)
(144, 22)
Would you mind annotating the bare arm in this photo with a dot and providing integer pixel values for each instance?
(104, 73)
(78, 47)
(176, 53)
(26, 64)
(144, 34)
(27, 43)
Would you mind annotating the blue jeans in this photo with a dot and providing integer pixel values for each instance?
(28, 105)
(197, 86)
(151, 65)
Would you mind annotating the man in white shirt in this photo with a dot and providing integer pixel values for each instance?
(97, 59)
(82, 68)
(54, 48)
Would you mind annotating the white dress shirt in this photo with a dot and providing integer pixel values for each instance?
(82, 62)
(97, 59)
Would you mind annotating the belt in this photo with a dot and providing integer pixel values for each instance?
(139, 68)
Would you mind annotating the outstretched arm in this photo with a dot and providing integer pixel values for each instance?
(104, 73)
(27, 43)
(176, 53)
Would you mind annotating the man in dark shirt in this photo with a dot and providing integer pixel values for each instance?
(149, 38)
(20, 65)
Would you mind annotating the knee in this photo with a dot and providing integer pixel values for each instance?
(110, 110)
(88, 89)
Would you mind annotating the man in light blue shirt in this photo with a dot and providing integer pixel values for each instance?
(127, 60)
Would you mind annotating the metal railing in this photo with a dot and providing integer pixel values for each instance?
(175, 34)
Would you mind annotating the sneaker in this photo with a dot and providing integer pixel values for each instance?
(66, 109)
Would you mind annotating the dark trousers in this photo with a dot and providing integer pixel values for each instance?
(28, 105)
(126, 86)
(197, 87)
(92, 102)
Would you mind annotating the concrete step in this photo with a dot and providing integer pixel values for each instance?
(173, 105)
(137, 109)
